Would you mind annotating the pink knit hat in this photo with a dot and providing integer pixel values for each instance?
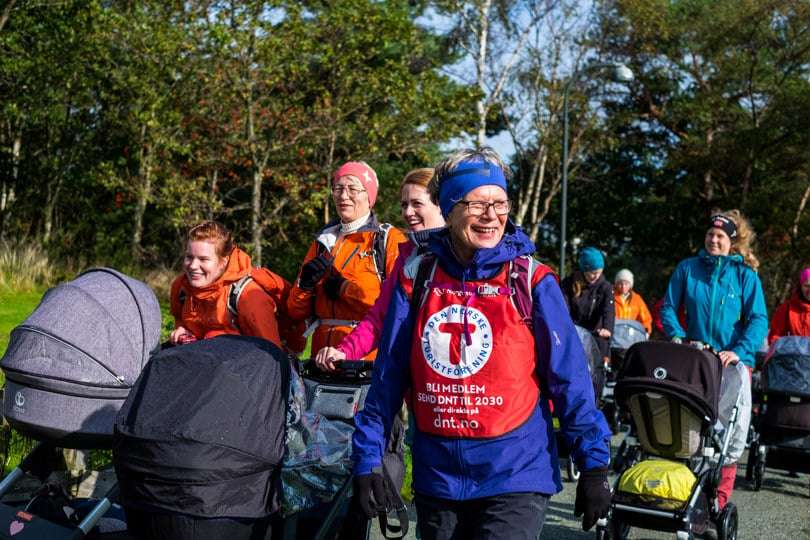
(805, 275)
(364, 173)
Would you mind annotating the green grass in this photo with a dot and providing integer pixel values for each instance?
(15, 306)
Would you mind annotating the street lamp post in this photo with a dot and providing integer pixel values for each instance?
(621, 73)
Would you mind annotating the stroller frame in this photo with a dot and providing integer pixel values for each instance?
(705, 461)
(40, 462)
(349, 385)
(782, 387)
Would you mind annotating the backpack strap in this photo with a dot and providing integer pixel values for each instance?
(426, 264)
(521, 271)
(234, 293)
(379, 252)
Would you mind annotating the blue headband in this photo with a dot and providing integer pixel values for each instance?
(466, 177)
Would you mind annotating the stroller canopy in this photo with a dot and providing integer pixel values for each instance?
(89, 337)
(627, 332)
(592, 352)
(675, 370)
(787, 367)
(202, 432)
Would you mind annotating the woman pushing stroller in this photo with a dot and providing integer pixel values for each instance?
(725, 308)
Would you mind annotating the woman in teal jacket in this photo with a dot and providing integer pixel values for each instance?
(725, 307)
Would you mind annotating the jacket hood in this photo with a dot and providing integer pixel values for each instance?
(239, 265)
(711, 260)
(596, 283)
(486, 261)
(798, 302)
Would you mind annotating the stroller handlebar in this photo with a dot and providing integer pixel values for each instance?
(343, 368)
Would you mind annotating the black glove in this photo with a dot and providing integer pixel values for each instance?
(332, 286)
(313, 271)
(593, 496)
(369, 494)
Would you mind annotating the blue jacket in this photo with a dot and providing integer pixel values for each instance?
(523, 460)
(724, 302)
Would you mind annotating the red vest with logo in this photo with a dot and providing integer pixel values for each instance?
(473, 359)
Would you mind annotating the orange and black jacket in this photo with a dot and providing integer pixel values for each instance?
(204, 310)
(352, 257)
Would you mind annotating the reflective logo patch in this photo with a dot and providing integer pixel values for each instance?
(444, 341)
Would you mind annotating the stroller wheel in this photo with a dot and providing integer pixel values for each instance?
(573, 473)
(619, 530)
(759, 475)
(752, 460)
(727, 524)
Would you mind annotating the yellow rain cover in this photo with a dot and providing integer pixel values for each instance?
(658, 478)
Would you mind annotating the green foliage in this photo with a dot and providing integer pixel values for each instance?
(16, 304)
(721, 122)
(155, 115)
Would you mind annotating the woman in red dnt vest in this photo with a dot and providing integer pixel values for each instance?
(199, 296)
(481, 374)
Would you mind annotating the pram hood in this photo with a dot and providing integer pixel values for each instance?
(592, 352)
(688, 374)
(202, 432)
(88, 337)
(787, 366)
(626, 333)
(71, 364)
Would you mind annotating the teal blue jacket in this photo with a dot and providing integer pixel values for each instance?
(724, 303)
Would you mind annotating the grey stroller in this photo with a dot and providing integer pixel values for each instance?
(626, 333)
(69, 367)
(781, 434)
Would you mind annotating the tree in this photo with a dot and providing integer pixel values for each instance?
(723, 90)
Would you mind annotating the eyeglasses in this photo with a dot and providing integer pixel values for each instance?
(353, 192)
(479, 208)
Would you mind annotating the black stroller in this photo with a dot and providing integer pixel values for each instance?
(672, 393)
(216, 441)
(781, 435)
(596, 367)
(69, 367)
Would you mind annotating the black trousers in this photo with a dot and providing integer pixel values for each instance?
(511, 516)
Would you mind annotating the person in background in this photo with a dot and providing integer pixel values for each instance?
(792, 317)
(722, 296)
(343, 269)
(487, 465)
(589, 297)
(422, 214)
(629, 304)
(199, 296)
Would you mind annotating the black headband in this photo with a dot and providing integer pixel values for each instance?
(722, 222)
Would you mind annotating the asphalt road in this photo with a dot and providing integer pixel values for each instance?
(780, 510)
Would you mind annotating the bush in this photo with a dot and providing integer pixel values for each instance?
(24, 266)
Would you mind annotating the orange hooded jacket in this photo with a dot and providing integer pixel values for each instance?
(634, 309)
(204, 310)
(352, 257)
